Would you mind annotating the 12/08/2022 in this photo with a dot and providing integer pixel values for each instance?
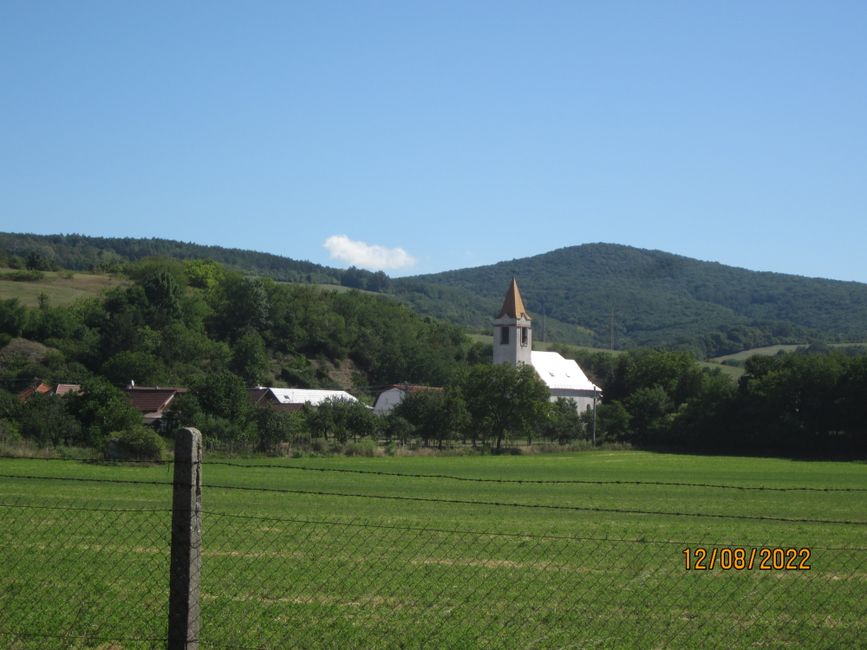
(740, 558)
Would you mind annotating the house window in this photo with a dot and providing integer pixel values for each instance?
(504, 336)
(525, 336)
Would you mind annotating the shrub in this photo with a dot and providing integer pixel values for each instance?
(26, 276)
(137, 443)
(363, 447)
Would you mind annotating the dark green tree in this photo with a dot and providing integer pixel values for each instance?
(436, 415)
(102, 409)
(12, 317)
(275, 427)
(224, 394)
(250, 358)
(562, 422)
(504, 401)
(46, 420)
(613, 421)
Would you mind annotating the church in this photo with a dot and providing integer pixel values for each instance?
(513, 344)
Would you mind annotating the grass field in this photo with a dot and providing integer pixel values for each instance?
(441, 552)
(59, 290)
(772, 350)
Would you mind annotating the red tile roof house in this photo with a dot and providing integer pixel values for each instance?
(152, 402)
(43, 388)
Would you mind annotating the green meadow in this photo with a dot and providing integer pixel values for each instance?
(60, 289)
(545, 551)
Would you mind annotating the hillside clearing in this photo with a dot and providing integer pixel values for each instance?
(60, 288)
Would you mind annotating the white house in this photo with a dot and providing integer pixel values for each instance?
(395, 394)
(513, 344)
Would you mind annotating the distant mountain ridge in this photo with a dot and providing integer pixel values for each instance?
(605, 295)
(82, 252)
(609, 294)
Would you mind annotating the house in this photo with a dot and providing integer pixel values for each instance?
(395, 394)
(513, 344)
(293, 399)
(152, 402)
(43, 388)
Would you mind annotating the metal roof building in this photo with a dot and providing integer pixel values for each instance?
(291, 399)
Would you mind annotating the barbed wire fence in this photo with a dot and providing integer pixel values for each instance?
(98, 576)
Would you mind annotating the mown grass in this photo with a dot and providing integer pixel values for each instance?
(60, 288)
(308, 556)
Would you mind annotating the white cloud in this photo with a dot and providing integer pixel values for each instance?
(368, 256)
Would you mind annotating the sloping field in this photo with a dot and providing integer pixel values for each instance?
(60, 289)
(771, 350)
(597, 549)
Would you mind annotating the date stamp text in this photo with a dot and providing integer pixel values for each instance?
(739, 558)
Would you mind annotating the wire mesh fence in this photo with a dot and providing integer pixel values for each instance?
(81, 567)
(321, 584)
(82, 577)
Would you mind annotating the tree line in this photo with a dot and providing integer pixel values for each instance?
(115, 254)
(200, 325)
(806, 402)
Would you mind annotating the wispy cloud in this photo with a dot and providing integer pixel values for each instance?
(368, 256)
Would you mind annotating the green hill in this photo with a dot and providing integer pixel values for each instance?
(80, 252)
(601, 295)
(606, 294)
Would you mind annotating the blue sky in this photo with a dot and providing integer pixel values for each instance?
(426, 136)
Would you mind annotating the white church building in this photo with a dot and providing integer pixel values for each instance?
(513, 344)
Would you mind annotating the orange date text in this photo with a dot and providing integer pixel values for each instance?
(740, 558)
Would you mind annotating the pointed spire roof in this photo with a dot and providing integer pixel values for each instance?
(513, 306)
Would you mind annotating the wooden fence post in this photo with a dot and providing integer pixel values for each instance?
(186, 558)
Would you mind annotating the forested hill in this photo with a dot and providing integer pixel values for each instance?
(80, 252)
(594, 294)
(603, 293)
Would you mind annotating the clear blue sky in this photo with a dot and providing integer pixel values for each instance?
(463, 133)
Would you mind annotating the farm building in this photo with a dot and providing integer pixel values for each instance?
(395, 394)
(513, 344)
(152, 402)
(293, 399)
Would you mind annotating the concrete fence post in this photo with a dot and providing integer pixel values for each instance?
(186, 557)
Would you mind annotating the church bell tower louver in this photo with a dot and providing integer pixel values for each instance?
(513, 333)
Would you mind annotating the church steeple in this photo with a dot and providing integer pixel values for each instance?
(513, 334)
(513, 306)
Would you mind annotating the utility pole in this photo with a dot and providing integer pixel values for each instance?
(594, 415)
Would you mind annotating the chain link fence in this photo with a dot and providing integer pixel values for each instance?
(76, 575)
(82, 577)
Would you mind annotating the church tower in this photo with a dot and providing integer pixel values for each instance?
(513, 334)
